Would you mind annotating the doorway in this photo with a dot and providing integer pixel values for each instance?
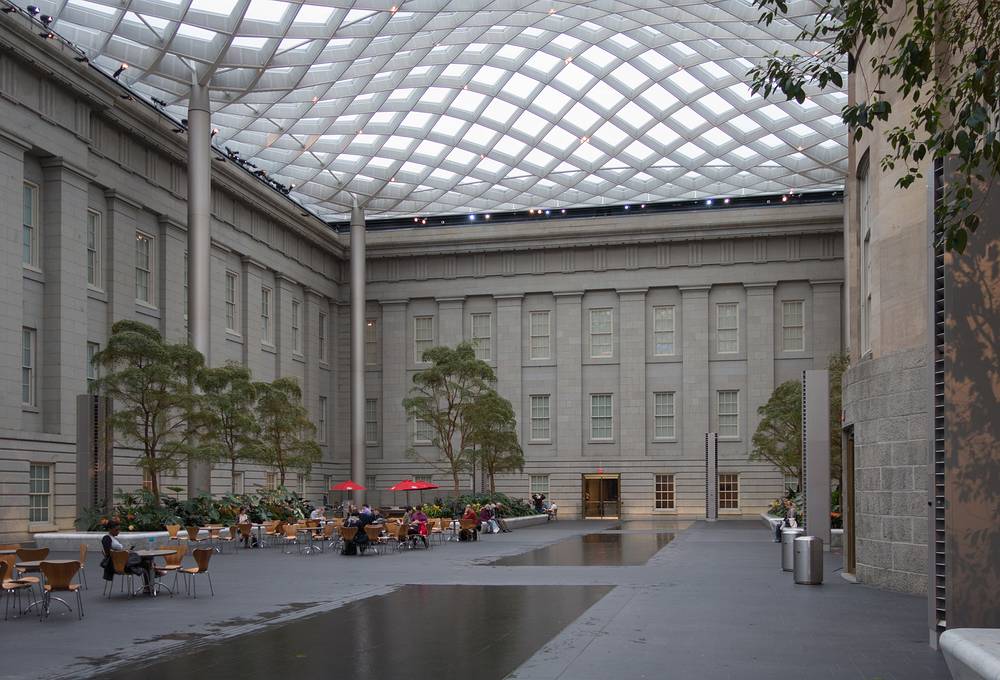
(601, 498)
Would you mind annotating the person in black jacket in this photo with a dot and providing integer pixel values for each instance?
(110, 542)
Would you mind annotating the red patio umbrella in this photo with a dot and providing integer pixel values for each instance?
(349, 485)
(406, 485)
(422, 485)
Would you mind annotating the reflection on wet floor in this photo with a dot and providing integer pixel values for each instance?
(418, 632)
(670, 525)
(598, 550)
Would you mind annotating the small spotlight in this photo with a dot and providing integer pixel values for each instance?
(423, 221)
(547, 212)
(726, 201)
(416, 219)
(46, 19)
(472, 218)
(487, 216)
(121, 70)
(643, 206)
(82, 60)
(627, 207)
(32, 10)
(47, 36)
(8, 10)
(564, 211)
(215, 131)
(784, 199)
(708, 202)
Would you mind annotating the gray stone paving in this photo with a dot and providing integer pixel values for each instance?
(712, 604)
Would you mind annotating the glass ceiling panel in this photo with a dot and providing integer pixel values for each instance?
(631, 101)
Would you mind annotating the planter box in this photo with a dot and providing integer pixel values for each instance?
(527, 521)
(69, 541)
(972, 653)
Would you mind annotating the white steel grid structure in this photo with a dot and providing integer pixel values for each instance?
(444, 108)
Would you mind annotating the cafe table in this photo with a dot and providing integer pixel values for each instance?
(148, 556)
(311, 532)
(36, 565)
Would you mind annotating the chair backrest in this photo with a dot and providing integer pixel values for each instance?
(175, 559)
(8, 562)
(32, 554)
(348, 533)
(83, 554)
(193, 533)
(172, 530)
(213, 532)
(373, 532)
(119, 560)
(4, 566)
(269, 526)
(245, 530)
(402, 531)
(291, 530)
(445, 524)
(312, 522)
(10, 546)
(59, 574)
(201, 558)
(328, 529)
(468, 523)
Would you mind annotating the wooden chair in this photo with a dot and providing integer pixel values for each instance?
(171, 563)
(347, 534)
(82, 574)
(374, 534)
(246, 534)
(58, 577)
(30, 555)
(193, 536)
(172, 531)
(10, 587)
(435, 529)
(10, 546)
(468, 525)
(272, 531)
(330, 538)
(119, 560)
(290, 538)
(201, 558)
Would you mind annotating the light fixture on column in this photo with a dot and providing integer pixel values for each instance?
(215, 131)
(46, 19)
(8, 10)
(32, 10)
(121, 69)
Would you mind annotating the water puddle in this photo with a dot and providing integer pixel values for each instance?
(418, 632)
(592, 550)
(668, 525)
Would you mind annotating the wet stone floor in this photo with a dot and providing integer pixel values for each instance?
(598, 549)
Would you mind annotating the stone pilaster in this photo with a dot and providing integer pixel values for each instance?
(760, 349)
(11, 279)
(312, 305)
(450, 321)
(826, 330)
(63, 336)
(569, 358)
(395, 382)
(695, 350)
(632, 372)
(251, 273)
(508, 356)
(173, 246)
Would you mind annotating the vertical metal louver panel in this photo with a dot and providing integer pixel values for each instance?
(940, 590)
(805, 458)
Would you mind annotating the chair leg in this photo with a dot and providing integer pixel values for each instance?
(83, 579)
(79, 604)
(210, 587)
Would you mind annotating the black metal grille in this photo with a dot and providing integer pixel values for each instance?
(940, 590)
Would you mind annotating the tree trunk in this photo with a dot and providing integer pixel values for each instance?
(454, 479)
(281, 475)
(155, 486)
(232, 475)
(493, 483)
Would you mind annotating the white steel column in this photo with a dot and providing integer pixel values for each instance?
(358, 277)
(199, 247)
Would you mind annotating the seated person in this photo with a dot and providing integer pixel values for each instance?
(318, 513)
(377, 517)
(420, 520)
(244, 518)
(470, 514)
(353, 519)
(489, 524)
(550, 509)
(110, 542)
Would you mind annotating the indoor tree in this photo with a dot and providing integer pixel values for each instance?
(493, 436)
(441, 396)
(227, 423)
(285, 440)
(152, 384)
(940, 57)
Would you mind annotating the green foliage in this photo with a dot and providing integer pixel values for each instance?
(512, 507)
(941, 55)
(140, 511)
(441, 396)
(285, 440)
(493, 436)
(227, 424)
(151, 382)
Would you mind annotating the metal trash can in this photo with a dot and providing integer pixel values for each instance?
(808, 566)
(788, 535)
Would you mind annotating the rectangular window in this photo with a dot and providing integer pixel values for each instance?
(270, 480)
(600, 417)
(239, 482)
(302, 483)
(729, 491)
(28, 353)
(729, 414)
(540, 330)
(792, 326)
(663, 331)
(296, 327)
(601, 333)
(94, 277)
(540, 422)
(663, 415)
(423, 432)
(143, 268)
(371, 342)
(265, 316)
(232, 288)
(147, 480)
(423, 336)
(92, 349)
(424, 478)
(40, 492)
(371, 481)
(663, 492)
(539, 484)
(371, 421)
(322, 417)
(728, 327)
(322, 337)
(482, 336)
(29, 223)
(864, 209)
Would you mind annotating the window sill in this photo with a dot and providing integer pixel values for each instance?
(234, 336)
(423, 444)
(665, 440)
(729, 439)
(542, 442)
(601, 441)
(665, 511)
(371, 444)
(268, 347)
(730, 511)
(28, 408)
(33, 273)
(97, 294)
(324, 363)
(38, 527)
(297, 356)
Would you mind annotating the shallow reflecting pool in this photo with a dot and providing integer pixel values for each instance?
(602, 550)
(418, 632)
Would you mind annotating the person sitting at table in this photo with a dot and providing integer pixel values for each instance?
(377, 517)
(319, 512)
(550, 509)
(470, 514)
(353, 519)
(361, 541)
(110, 542)
(420, 519)
(486, 518)
(243, 517)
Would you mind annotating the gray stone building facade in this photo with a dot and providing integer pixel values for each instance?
(620, 341)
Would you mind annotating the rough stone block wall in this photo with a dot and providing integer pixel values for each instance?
(886, 399)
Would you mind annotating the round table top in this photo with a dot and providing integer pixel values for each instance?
(35, 564)
(155, 553)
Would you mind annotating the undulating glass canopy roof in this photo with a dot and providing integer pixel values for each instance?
(437, 107)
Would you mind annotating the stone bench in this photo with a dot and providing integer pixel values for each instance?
(526, 521)
(69, 541)
(972, 653)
